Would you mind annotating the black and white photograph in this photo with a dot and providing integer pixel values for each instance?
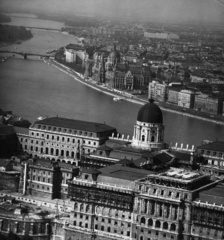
(112, 120)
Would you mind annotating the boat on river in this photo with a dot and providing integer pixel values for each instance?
(118, 99)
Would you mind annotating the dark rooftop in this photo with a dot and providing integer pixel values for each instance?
(213, 146)
(75, 124)
(123, 172)
(213, 195)
(6, 130)
(45, 163)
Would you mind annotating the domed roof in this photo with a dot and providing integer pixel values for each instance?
(150, 113)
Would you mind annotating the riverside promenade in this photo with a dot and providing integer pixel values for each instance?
(126, 96)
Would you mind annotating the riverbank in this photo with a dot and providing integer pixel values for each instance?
(111, 92)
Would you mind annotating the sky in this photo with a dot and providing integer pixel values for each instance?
(203, 11)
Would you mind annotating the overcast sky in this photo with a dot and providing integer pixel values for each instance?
(157, 10)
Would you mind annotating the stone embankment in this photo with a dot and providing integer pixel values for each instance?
(127, 97)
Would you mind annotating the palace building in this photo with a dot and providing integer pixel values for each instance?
(145, 150)
(127, 189)
(63, 139)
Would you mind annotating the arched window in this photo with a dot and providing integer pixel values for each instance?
(142, 220)
(152, 139)
(57, 152)
(52, 151)
(67, 153)
(165, 225)
(158, 224)
(143, 138)
(81, 207)
(172, 227)
(62, 153)
(150, 222)
(76, 206)
(46, 150)
(87, 208)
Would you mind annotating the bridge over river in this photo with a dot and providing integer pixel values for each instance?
(25, 55)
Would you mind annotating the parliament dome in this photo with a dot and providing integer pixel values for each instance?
(150, 113)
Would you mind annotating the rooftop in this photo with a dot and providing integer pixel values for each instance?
(6, 130)
(213, 146)
(123, 172)
(75, 124)
(213, 195)
(179, 175)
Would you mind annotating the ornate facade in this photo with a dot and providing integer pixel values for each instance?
(63, 139)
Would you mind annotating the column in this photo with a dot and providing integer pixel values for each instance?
(149, 208)
(8, 227)
(1, 224)
(163, 208)
(15, 227)
(158, 210)
(157, 135)
(134, 132)
(24, 228)
(46, 228)
(173, 212)
(31, 229)
(170, 213)
(147, 138)
(143, 206)
(165, 213)
(155, 209)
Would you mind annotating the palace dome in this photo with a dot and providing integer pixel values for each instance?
(150, 113)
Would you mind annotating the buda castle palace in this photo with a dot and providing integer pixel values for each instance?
(116, 187)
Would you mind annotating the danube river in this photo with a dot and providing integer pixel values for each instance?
(31, 88)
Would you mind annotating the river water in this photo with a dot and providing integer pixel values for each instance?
(31, 88)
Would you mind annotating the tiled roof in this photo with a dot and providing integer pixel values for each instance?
(75, 124)
(213, 146)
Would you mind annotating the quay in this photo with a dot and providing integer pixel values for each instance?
(134, 99)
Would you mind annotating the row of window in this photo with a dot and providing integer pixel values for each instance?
(161, 192)
(56, 152)
(207, 152)
(41, 187)
(39, 179)
(64, 130)
(102, 228)
(61, 139)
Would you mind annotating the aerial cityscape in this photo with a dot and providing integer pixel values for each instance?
(112, 120)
